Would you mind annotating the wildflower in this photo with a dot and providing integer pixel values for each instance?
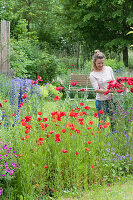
(101, 121)
(5, 100)
(39, 119)
(119, 79)
(0, 105)
(59, 88)
(91, 122)
(57, 139)
(131, 89)
(100, 111)
(106, 92)
(120, 91)
(39, 78)
(82, 90)
(108, 150)
(77, 131)
(76, 153)
(40, 139)
(56, 98)
(64, 151)
(92, 167)
(87, 107)
(28, 118)
(27, 130)
(13, 114)
(50, 132)
(45, 119)
(63, 130)
(39, 113)
(46, 166)
(89, 142)
(96, 115)
(88, 128)
(24, 96)
(73, 83)
(81, 104)
(87, 149)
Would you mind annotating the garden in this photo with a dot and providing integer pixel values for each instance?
(50, 147)
(52, 144)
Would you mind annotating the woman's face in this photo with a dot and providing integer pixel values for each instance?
(99, 64)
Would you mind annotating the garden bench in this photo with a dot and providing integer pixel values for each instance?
(83, 85)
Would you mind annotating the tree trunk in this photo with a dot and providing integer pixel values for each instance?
(78, 52)
(125, 56)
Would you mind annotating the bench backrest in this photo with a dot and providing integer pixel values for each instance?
(81, 79)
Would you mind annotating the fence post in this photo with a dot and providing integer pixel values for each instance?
(4, 46)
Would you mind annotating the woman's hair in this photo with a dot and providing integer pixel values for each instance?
(97, 55)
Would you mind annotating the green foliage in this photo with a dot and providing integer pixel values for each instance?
(114, 64)
(49, 91)
(27, 60)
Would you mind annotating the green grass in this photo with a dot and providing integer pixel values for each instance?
(119, 191)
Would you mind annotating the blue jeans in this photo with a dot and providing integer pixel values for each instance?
(108, 107)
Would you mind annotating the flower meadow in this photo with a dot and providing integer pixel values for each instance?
(50, 148)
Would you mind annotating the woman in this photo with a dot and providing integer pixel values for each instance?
(99, 77)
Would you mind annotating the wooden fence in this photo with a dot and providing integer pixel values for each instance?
(4, 46)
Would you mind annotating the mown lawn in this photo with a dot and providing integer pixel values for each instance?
(122, 190)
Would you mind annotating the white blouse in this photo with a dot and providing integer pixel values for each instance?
(99, 80)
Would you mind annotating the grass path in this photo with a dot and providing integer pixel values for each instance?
(118, 191)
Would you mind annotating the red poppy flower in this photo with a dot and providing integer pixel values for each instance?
(46, 166)
(50, 132)
(39, 78)
(45, 119)
(70, 134)
(63, 130)
(76, 153)
(82, 123)
(27, 130)
(82, 90)
(5, 100)
(87, 149)
(100, 126)
(57, 139)
(92, 166)
(87, 107)
(77, 108)
(73, 83)
(91, 122)
(131, 90)
(120, 91)
(40, 139)
(59, 88)
(106, 92)
(28, 126)
(47, 135)
(39, 113)
(77, 131)
(64, 151)
(81, 104)
(24, 96)
(28, 118)
(0, 105)
(88, 128)
(56, 98)
(89, 142)
(13, 114)
(100, 111)
(72, 65)
(96, 115)
(57, 135)
(105, 126)
(39, 119)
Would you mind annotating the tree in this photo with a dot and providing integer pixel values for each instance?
(102, 24)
